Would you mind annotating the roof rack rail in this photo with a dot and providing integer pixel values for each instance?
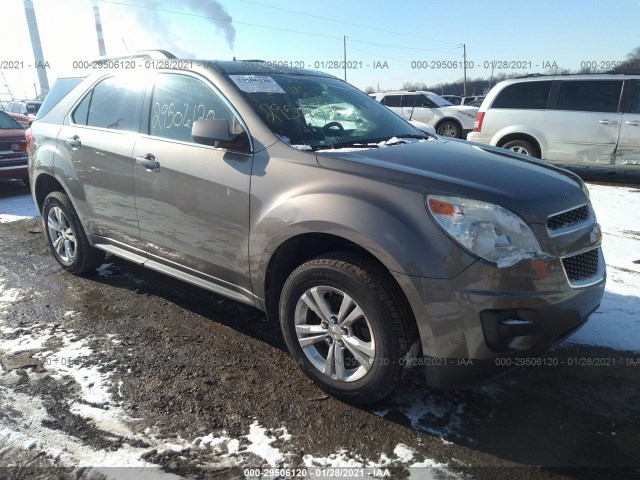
(142, 54)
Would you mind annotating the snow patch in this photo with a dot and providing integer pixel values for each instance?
(18, 208)
(260, 445)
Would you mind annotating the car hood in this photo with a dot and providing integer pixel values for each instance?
(532, 188)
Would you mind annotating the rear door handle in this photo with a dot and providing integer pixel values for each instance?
(634, 123)
(74, 142)
(608, 122)
(149, 162)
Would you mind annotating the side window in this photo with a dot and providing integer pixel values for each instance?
(526, 95)
(422, 101)
(115, 103)
(634, 106)
(410, 101)
(80, 114)
(590, 95)
(15, 108)
(391, 100)
(23, 109)
(180, 100)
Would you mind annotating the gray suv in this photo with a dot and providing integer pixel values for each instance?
(375, 246)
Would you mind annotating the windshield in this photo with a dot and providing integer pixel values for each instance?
(438, 100)
(320, 112)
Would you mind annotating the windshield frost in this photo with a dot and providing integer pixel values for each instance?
(320, 112)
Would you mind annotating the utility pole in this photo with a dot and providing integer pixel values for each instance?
(345, 57)
(36, 46)
(464, 85)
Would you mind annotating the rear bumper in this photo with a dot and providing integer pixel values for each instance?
(479, 326)
(14, 168)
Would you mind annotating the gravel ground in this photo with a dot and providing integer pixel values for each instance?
(129, 368)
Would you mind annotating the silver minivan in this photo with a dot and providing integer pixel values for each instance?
(588, 120)
(375, 247)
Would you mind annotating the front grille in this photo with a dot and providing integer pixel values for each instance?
(569, 219)
(582, 266)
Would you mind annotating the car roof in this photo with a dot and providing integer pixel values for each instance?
(227, 67)
(572, 76)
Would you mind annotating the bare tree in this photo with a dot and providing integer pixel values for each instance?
(631, 64)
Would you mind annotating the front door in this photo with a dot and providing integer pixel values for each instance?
(628, 152)
(193, 200)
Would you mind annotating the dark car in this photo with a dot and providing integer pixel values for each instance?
(374, 246)
(13, 149)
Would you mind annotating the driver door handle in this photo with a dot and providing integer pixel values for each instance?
(149, 162)
(633, 123)
(607, 122)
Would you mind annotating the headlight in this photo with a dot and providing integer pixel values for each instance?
(485, 229)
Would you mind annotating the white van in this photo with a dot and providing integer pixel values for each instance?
(585, 120)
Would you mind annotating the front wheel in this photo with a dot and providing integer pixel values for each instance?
(347, 328)
(66, 237)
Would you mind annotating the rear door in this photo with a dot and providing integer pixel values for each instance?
(193, 206)
(97, 142)
(628, 152)
(584, 126)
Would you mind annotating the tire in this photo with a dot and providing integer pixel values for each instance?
(450, 129)
(66, 237)
(343, 306)
(523, 147)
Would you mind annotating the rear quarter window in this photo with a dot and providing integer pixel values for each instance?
(524, 95)
(60, 89)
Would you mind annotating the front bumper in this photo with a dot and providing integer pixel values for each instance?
(470, 324)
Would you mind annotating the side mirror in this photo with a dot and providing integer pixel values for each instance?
(211, 132)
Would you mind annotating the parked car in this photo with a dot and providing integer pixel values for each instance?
(473, 101)
(427, 107)
(374, 246)
(585, 120)
(23, 112)
(453, 99)
(13, 149)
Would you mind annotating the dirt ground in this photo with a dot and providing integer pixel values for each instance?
(182, 367)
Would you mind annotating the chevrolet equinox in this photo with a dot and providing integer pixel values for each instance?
(376, 246)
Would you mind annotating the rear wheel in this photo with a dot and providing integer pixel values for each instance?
(346, 327)
(521, 146)
(449, 128)
(66, 237)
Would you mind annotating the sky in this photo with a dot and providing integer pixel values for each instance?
(388, 42)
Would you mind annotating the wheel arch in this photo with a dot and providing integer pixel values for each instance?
(298, 249)
(44, 185)
(504, 137)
